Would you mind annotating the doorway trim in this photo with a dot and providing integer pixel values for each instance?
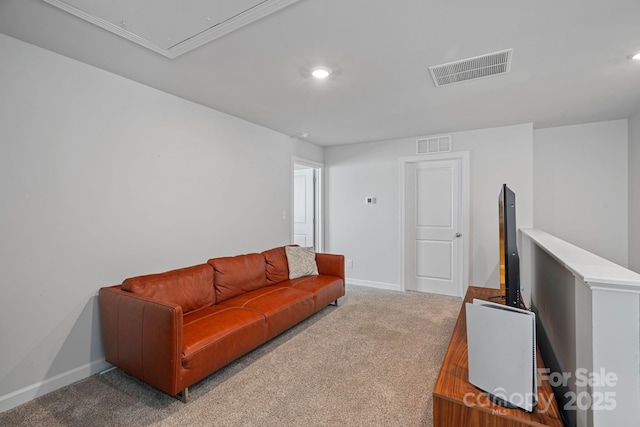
(463, 157)
(319, 198)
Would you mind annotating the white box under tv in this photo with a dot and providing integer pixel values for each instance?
(502, 352)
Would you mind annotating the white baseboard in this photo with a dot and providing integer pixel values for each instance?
(372, 284)
(48, 385)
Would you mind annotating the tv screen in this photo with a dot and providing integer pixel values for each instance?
(509, 259)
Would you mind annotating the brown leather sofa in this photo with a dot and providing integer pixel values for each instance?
(173, 329)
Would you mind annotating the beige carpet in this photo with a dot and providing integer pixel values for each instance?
(372, 361)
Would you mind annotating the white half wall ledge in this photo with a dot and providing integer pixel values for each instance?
(589, 312)
(596, 272)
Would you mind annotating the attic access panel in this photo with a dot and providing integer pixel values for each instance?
(171, 27)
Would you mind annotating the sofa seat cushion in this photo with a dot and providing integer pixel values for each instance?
(237, 275)
(325, 289)
(215, 336)
(190, 287)
(282, 306)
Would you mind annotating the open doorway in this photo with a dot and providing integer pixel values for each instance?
(307, 204)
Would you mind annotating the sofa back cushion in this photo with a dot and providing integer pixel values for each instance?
(238, 274)
(277, 266)
(190, 287)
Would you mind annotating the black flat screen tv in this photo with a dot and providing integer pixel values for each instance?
(509, 259)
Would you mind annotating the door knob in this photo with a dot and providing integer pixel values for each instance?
(458, 235)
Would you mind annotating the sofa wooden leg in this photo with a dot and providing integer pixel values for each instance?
(183, 395)
(335, 303)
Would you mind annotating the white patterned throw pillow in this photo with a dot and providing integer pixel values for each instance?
(301, 261)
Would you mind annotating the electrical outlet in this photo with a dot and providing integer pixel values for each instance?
(349, 263)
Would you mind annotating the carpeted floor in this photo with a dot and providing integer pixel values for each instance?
(372, 361)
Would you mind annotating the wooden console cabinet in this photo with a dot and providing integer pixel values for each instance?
(456, 402)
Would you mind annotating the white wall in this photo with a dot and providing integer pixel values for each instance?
(102, 178)
(581, 186)
(370, 234)
(634, 192)
(308, 151)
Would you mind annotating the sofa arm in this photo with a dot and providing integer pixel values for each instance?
(330, 264)
(143, 337)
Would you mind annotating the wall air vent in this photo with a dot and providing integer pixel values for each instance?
(472, 68)
(433, 144)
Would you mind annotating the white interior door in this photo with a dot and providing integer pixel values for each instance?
(303, 207)
(433, 225)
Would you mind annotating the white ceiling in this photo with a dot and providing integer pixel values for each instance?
(569, 62)
(171, 28)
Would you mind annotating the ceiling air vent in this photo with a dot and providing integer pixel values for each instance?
(434, 144)
(472, 68)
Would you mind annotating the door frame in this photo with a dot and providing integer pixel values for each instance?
(463, 158)
(319, 198)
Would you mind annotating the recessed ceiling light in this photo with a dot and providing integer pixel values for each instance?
(321, 72)
(636, 56)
